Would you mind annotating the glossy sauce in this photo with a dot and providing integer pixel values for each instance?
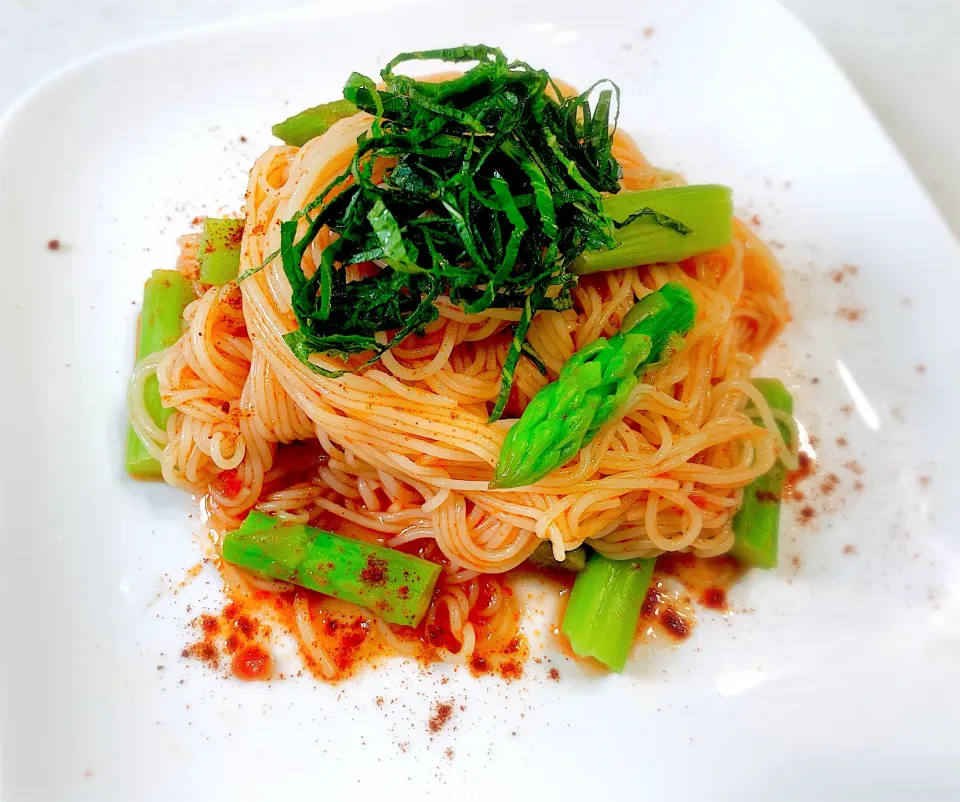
(668, 615)
(251, 663)
(805, 469)
(353, 638)
(679, 581)
(350, 636)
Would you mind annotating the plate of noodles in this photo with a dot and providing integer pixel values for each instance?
(424, 402)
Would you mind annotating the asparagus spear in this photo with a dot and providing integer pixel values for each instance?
(592, 388)
(396, 586)
(165, 295)
(705, 212)
(574, 560)
(309, 123)
(219, 251)
(604, 607)
(757, 523)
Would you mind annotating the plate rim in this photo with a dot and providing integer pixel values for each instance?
(78, 64)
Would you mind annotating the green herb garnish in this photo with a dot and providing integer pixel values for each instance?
(495, 192)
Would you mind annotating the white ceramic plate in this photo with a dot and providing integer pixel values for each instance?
(840, 681)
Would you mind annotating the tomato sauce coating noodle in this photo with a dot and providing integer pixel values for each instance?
(400, 453)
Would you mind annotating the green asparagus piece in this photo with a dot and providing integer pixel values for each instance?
(592, 388)
(601, 616)
(396, 586)
(757, 523)
(301, 128)
(574, 560)
(165, 295)
(219, 251)
(705, 212)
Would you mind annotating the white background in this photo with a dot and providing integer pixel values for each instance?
(903, 57)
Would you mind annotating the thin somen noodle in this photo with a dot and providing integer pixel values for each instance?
(402, 453)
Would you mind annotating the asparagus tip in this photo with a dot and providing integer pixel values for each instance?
(507, 480)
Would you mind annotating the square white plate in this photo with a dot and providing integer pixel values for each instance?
(840, 681)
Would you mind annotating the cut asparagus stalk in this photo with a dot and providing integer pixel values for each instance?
(165, 296)
(705, 210)
(601, 617)
(396, 586)
(574, 560)
(756, 526)
(219, 251)
(309, 123)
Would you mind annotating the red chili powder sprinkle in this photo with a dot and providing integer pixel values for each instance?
(554, 675)
(248, 626)
(674, 623)
(807, 514)
(714, 598)
(209, 623)
(375, 571)
(829, 484)
(511, 669)
(804, 468)
(849, 549)
(205, 652)
(441, 715)
(850, 313)
(53, 245)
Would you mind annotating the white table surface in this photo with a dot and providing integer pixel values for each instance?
(904, 57)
